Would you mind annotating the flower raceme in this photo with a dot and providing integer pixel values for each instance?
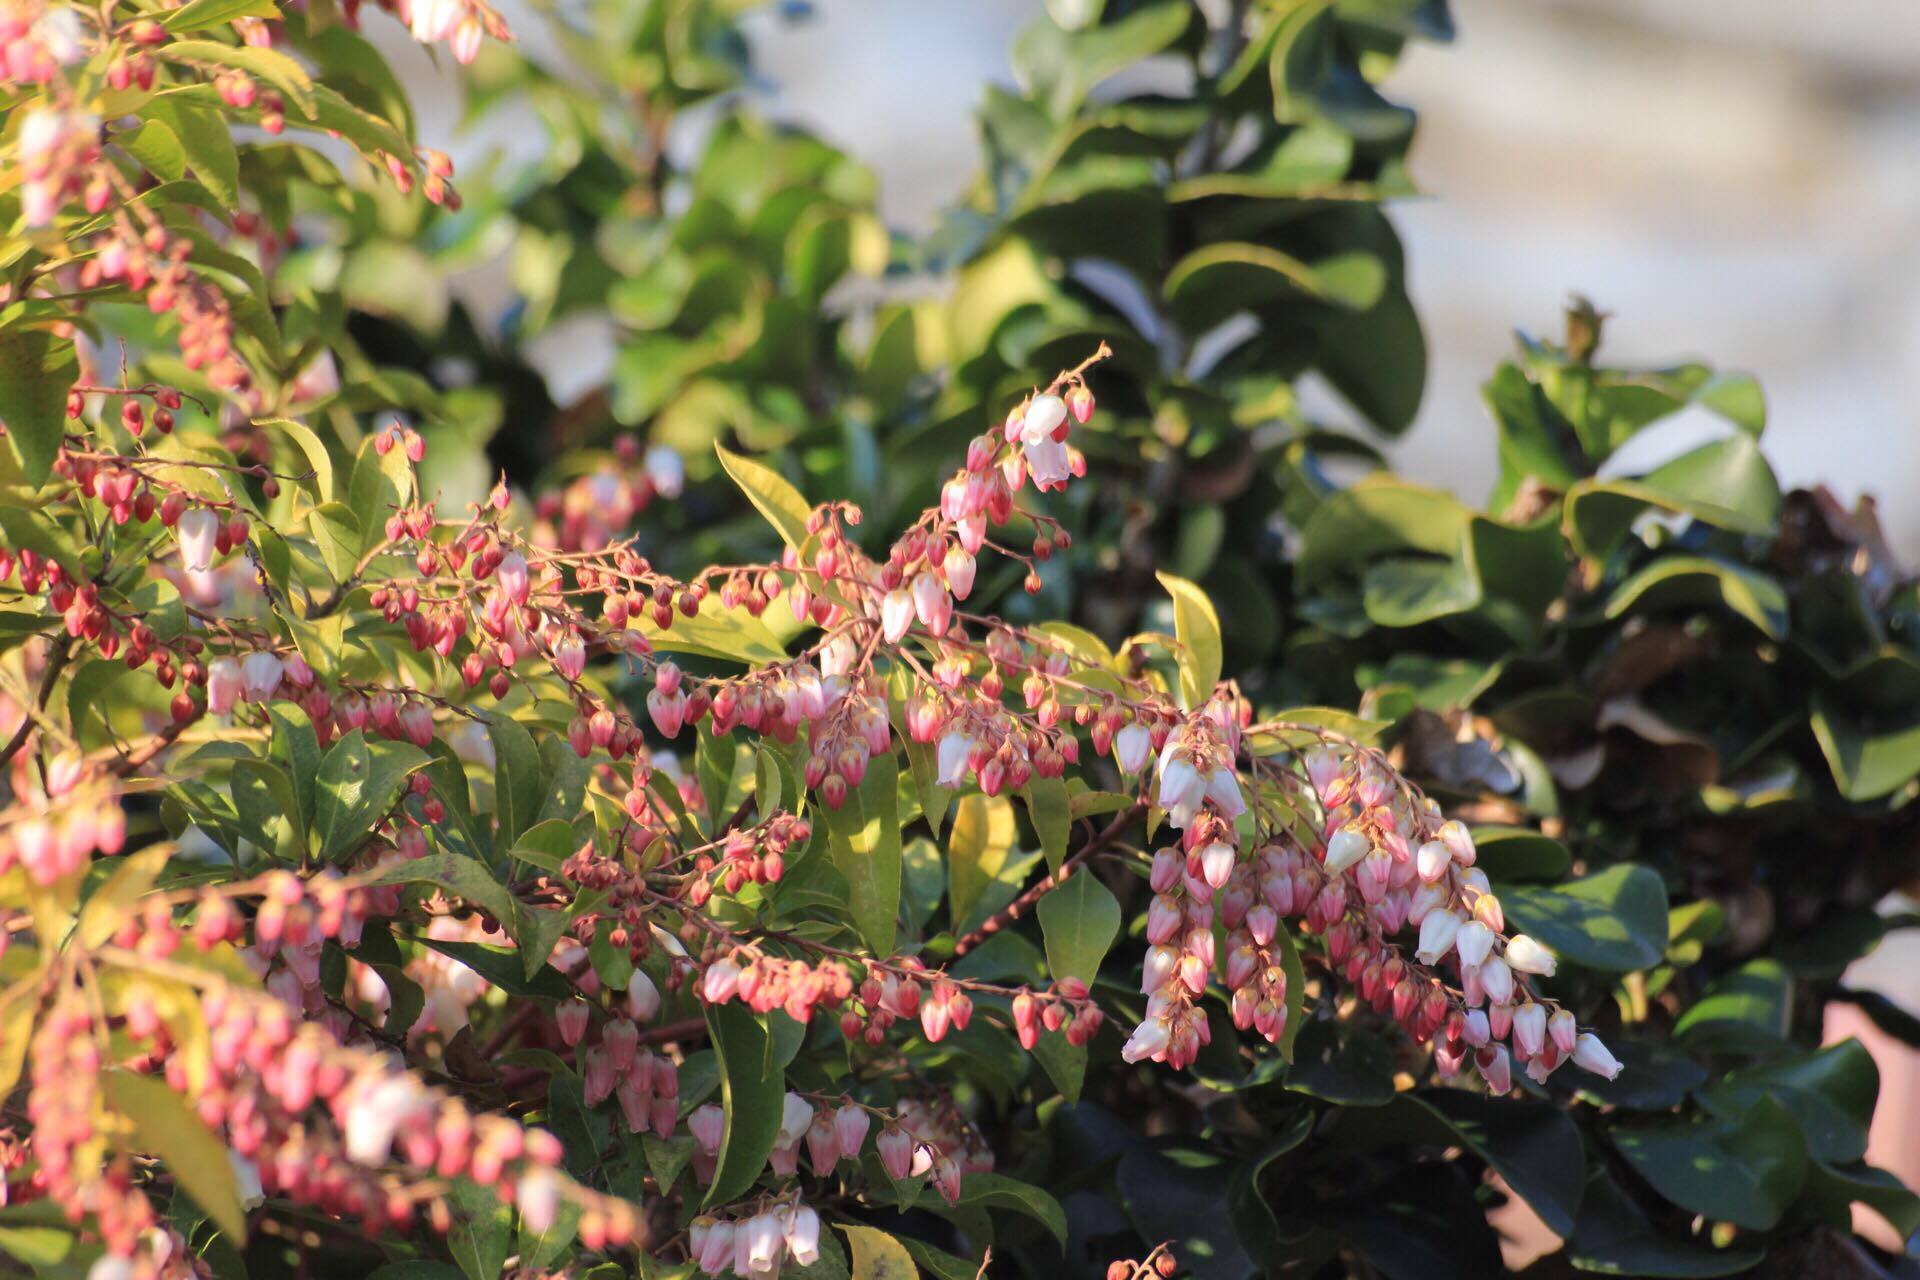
(1274, 838)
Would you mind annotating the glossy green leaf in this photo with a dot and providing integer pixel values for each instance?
(198, 15)
(751, 1095)
(979, 850)
(1695, 580)
(1614, 920)
(1534, 1145)
(997, 1191)
(359, 783)
(1613, 1238)
(1830, 1093)
(1743, 1169)
(1751, 1006)
(1079, 920)
(1867, 763)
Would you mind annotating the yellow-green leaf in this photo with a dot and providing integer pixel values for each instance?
(877, 1255)
(783, 506)
(111, 903)
(1197, 627)
(164, 1126)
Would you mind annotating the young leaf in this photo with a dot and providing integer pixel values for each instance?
(1197, 627)
(769, 491)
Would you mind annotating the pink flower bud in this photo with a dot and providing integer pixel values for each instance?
(513, 577)
(850, 1125)
(707, 1124)
(896, 1151)
(571, 1018)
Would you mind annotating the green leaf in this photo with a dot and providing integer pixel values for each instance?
(157, 149)
(877, 1255)
(36, 370)
(1612, 1237)
(863, 836)
(1079, 921)
(979, 851)
(1518, 853)
(1377, 359)
(23, 527)
(1181, 1194)
(319, 461)
(1300, 59)
(207, 142)
(539, 1250)
(751, 1095)
(482, 1232)
(1534, 1145)
(1746, 1170)
(468, 879)
(1613, 920)
(769, 491)
(1050, 808)
(41, 1248)
(1220, 279)
(165, 1126)
(110, 905)
(1694, 580)
(198, 15)
(516, 773)
(1866, 765)
(358, 784)
(1838, 1187)
(1731, 488)
(379, 485)
(1750, 1007)
(1408, 591)
(1296, 1001)
(1830, 1093)
(338, 537)
(1379, 514)
(296, 743)
(1197, 627)
(997, 1191)
(276, 68)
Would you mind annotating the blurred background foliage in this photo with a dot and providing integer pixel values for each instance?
(1688, 699)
